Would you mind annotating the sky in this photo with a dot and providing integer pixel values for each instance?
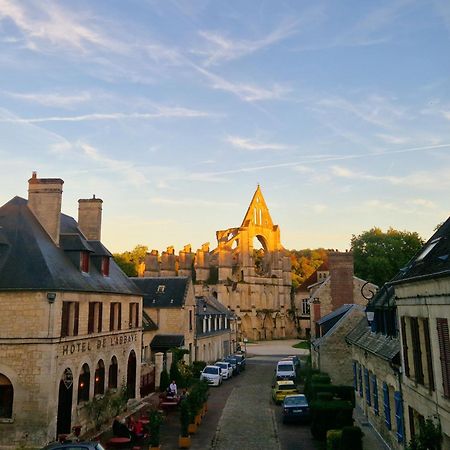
(173, 111)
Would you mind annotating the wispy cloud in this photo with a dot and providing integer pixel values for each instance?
(390, 139)
(189, 202)
(52, 99)
(254, 145)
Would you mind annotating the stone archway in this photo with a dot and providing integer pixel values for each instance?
(65, 398)
(131, 375)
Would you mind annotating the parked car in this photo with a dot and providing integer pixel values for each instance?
(296, 360)
(281, 388)
(69, 445)
(226, 369)
(241, 361)
(285, 370)
(234, 363)
(295, 408)
(212, 374)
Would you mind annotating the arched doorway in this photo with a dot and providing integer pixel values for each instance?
(99, 380)
(83, 384)
(131, 375)
(64, 418)
(112, 374)
(6, 397)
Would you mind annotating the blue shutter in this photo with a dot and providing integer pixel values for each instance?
(375, 395)
(366, 381)
(387, 409)
(355, 376)
(360, 380)
(399, 415)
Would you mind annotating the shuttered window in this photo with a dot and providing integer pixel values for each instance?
(417, 354)
(115, 316)
(405, 345)
(444, 350)
(360, 380)
(429, 355)
(399, 415)
(366, 382)
(387, 406)
(69, 319)
(375, 395)
(95, 317)
(355, 376)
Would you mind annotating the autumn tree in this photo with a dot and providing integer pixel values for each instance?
(305, 262)
(129, 261)
(379, 255)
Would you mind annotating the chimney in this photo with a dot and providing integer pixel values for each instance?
(90, 218)
(44, 200)
(341, 273)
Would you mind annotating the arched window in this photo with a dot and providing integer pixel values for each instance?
(99, 380)
(83, 384)
(6, 397)
(112, 374)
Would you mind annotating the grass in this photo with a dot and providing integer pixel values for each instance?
(302, 344)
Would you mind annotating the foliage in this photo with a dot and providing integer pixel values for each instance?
(327, 415)
(175, 373)
(320, 378)
(303, 344)
(351, 438)
(428, 438)
(197, 398)
(379, 255)
(184, 417)
(186, 374)
(197, 367)
(129, 261)
(164, 380)
(155, 419)
(103, 407)
(341, 392)
(178, 353)
(305, 263)
(118, 401)
(334, 439)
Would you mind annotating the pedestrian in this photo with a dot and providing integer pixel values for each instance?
(173, 388)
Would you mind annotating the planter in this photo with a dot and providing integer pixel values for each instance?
(192, 428)
(156, 448)
(198, 419)
(184, 441)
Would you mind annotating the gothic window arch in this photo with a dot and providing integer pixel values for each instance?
(6, 397)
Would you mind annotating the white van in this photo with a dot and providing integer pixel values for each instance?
(285, 370)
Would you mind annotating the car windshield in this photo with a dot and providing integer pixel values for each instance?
(285, 368)
(222, 365)
(296, 401)
(286, 387)
(239, 357)
(211, 370)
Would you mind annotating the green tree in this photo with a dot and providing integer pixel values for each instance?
(380, 255)
(129, 261)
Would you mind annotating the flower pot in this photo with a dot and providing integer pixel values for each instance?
(198, 419)
(192, 428)
(156, 448)
(184, 441)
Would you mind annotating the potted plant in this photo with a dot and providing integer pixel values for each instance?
(184, 441)
(192, 405)
(155, 419)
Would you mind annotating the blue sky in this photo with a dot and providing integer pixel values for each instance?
(173, 111)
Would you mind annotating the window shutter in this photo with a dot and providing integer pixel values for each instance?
(130, 315)
(119, 325)
(136, 323)
(387, 407)
(399, 415)
(366, 381)
(405, 345)
(100, 317)
(65, 319)
(91, 317)
(375, 395)
(111, 316)
(444, 349)
(76, 318)
(417, 354)
(426, 329)
(355, 376)
(360, 380)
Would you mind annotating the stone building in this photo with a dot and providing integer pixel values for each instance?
(329, 352)
(422, 291)
(255, 283)
(70, 319)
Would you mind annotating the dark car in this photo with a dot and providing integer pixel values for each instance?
(241, 361)
(295, 408)
(69, 445)
(235, 364)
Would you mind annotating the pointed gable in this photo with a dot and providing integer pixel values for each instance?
(257, 213)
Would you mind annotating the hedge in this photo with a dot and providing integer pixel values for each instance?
(328, 415)
(334, 439)
(341, 392)
(351, 438)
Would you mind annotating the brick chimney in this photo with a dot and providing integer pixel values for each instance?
(44, 200)
(90, 218)
(341, 272)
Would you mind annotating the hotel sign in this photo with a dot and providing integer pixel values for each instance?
(97, 344)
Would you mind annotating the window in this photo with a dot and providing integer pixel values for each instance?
(99, 379)
(190, 320)
(105, 266)
(84, 262)
(83, 384)
(115, 316)
(134, 315)
(112, 374)
(399, 415)
(161, 289)
(430, 373)
(69, 319)
(366, 381)
(95, 317)
(404, 345)
(387, 406)
(376, 409)
(355, 376)
(6, 397)
(444, 350)
(417, 354)
(360, 380)
(305, 307)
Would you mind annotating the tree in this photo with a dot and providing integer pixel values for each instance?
(305, 262)
(379, 255)
(129, 261)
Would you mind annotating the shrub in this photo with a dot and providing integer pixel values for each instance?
(185, 417)
(327, 415)
(334, 439)
(324, 396)
(164, 381)
(155, 419)
(341, 392)
(320, 378)
(197, 367)
(351, 438)
(175, 373)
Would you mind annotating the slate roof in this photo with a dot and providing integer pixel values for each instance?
(147, 322)
(213, 306)
(432, 260)
(335, 315)
(164, 342)
(163, 292)
(385, 347)
(30, 260)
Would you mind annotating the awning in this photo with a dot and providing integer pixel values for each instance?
(164, 342)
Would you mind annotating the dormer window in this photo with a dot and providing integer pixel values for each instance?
(161, 289)
(84, 262)
(105, 266)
